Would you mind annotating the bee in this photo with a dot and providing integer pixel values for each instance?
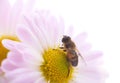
(71, 51)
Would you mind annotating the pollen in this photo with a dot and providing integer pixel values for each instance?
(3, 50)
(56, 68)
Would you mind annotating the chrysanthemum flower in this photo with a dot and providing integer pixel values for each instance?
(10, 16)
(38, 58)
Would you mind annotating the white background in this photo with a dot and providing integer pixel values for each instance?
(101, 20)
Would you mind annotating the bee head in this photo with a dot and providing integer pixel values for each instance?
(65, 39)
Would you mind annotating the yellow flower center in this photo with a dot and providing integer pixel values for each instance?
(56, 68)
(3, 50)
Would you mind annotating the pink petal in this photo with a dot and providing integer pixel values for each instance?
(85, 79)
(38, 32)
(93, 55)
(15, 73)
(27, 78)
(80, 38)
(28, 37)
(84, 48)
(15, 14)
(60, 30)
(91, 59)
(89, 75)
(29, 6)
(9, 44)
(42, 28)
(53, 26)
(3, 80)
(40, 80)
(94, 75)
(21, 54)
(7, 66)
(1, 70)
(4, 12)
(32, 58)
(13, 45)
(16, 58)
(94, 59)
(70, 31)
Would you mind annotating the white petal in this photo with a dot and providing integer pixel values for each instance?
(30, 77)
(28, 37)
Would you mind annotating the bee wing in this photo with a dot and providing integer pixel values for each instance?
(81, 56)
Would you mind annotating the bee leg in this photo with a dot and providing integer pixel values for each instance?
(68, 70)
(63, 49)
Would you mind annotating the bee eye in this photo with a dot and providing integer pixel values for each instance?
(65, 39)
(68, 38)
